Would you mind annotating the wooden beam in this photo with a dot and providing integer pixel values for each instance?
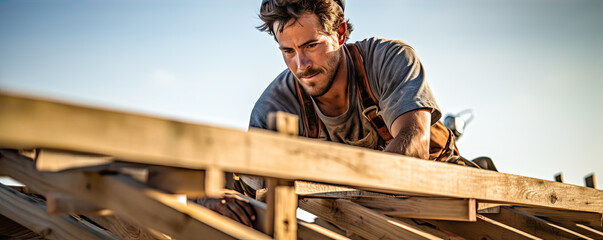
(422, 207)
(312, 189)
(10, 229)
(131, 200)
(591, 181)
(62, 204)
(483, 228)
(304, 230)
(362, 221)
(127, 230)
(32, 215)
(214, 182)
(55, 160)
(164, 142)
(533, 225)
(587, 218)
(285, 220)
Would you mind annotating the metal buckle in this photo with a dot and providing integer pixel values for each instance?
(366, 110)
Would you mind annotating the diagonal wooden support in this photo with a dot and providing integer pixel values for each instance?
(483, 228)
(131, 200)
(533, 225)
(365, 222)
(586, 218)
(165, 142)
(62, 204)
(31, 214)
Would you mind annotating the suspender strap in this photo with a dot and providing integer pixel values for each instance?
(368, 102)
(311, 119)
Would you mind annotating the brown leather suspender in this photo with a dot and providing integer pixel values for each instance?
(442, 145)
(368, 102)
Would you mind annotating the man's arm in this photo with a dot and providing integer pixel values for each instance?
(411, 134)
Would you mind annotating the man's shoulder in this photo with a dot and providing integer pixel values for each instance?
(375, 44)
(278, 96)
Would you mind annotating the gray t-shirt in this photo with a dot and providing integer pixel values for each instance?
(395, 76)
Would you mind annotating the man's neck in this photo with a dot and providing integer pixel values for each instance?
(335, 101)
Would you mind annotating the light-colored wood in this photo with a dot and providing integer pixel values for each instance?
(310, 231)
(214, 182)
(304, 230)
(571, 226)
(189, 182)
(21, 209)
(587, 218)
(533, 225)
(63, 204)
(362, 221)
(422, 207)
(130, 200)
(165, 142)
(54, 160)
(484, 228)
(559, 177)
(312, 189)
(285, 220)
(284, 123)
(591, 181)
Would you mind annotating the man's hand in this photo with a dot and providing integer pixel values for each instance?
(231, 206)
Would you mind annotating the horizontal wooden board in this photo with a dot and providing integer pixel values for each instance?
(31, 123)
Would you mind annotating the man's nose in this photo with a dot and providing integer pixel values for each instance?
(303, 62)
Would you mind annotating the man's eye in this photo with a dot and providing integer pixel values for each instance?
(312, 45)
(288, 51)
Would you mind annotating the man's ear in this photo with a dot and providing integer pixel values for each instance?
(342, 31)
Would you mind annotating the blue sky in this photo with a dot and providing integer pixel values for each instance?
(532, 71)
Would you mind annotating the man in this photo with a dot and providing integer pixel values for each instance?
(311, 36)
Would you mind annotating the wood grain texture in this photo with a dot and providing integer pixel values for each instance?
(285, 220)
(158, 141)
(422, 207)
(587, 218)
(31, 214)
(533, 225)
(127, 230)
(484, 229)
(362, 221)
(131, 200)
(63, 204)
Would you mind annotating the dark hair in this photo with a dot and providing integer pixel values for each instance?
(329, 13)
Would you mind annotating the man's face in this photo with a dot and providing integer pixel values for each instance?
(312, 55)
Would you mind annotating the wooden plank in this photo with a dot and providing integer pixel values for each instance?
(422, 207)
(591, 181)
(304, 230)
(285, 220)
(362, 221)
(131, 200)
(312, 189)
(581, 230)
(127, 230)
(586, 218)
(165, 142)
(484, 228)
(533, 225)
(54, 160)
(31, 214)
(9, 229)
(62, 204)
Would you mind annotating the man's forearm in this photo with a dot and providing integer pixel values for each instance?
(410, 142)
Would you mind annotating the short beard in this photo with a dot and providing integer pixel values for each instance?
(331, 71)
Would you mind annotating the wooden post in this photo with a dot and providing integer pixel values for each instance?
(214, 182)
(281, 219)
(559, 177)
(591, 181)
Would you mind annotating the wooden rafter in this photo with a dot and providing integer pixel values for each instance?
(30, 123)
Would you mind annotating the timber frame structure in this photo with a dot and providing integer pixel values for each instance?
(91, 173)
